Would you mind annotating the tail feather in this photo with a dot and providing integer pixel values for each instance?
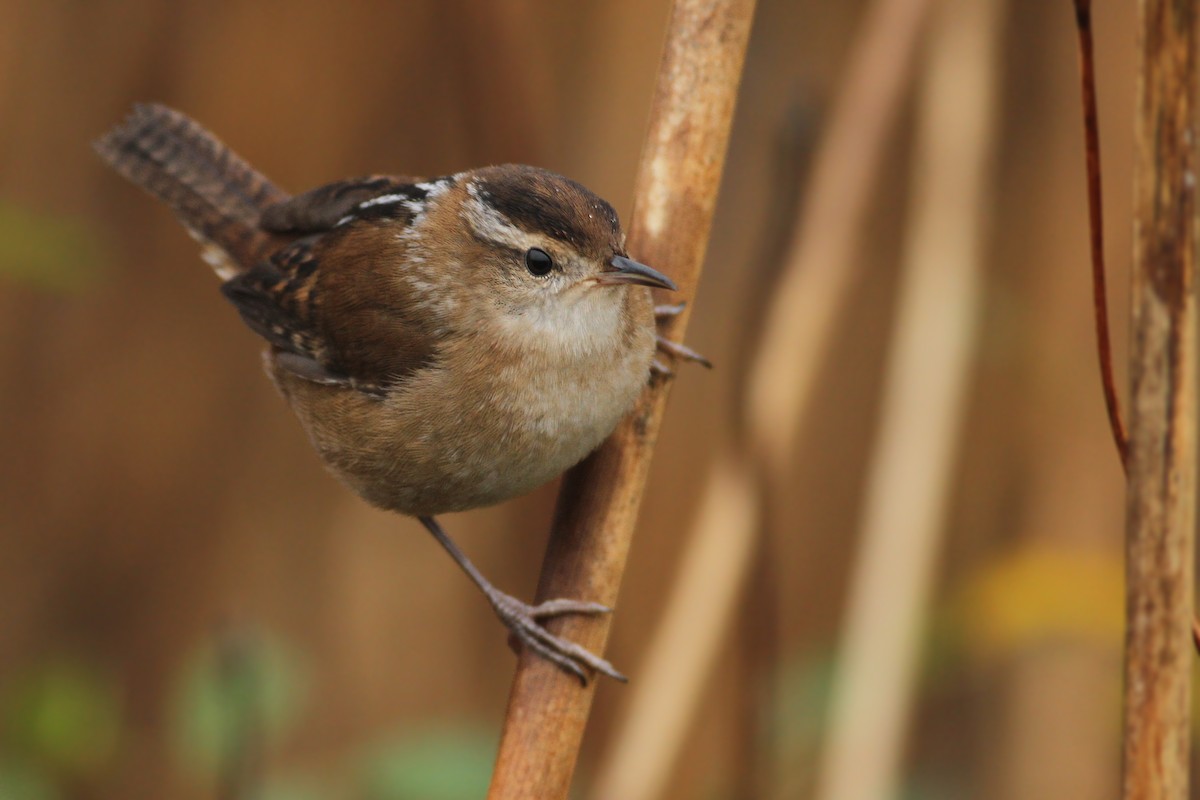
(213, 192)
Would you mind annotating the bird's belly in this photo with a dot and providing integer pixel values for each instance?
(432, 448)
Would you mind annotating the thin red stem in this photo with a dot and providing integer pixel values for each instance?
(1091, 133)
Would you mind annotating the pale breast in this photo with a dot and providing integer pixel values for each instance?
(485, 423)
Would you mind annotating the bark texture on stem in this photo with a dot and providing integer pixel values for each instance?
(1160, 509)
(807, 303)
(675, 196)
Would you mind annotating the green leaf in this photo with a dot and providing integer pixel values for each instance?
(805, 685)
(241, 695)
(450, 764)
(21, 783)
(47, 251)
(929, 787)
(64, 715)
(290, 789)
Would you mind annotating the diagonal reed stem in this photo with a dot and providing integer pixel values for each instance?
(911, 474)
(807, 303)
(675, 197)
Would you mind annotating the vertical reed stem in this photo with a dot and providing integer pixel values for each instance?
(1160, 508)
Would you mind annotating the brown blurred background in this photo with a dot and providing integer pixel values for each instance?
(167, 539)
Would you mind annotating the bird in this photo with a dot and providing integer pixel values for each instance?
(446, 343)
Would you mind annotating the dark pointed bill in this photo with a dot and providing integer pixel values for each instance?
(626, 270)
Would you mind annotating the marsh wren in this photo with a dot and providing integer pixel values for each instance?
(446, 343)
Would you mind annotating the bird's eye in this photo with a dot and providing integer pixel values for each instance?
(538, 262)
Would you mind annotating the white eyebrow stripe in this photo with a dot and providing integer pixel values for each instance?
(490, 224)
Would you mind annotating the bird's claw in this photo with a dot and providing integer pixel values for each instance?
(679, 350)
(523, 621)
(658, 366)
(669, 311)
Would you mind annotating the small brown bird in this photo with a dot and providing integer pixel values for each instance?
(446, 343)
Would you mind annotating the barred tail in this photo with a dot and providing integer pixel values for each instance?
(214, 193)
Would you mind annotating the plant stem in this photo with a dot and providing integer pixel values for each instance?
(1091, 135)
(675, 197)
(911, 475)
(1160, 507)
(807, 302)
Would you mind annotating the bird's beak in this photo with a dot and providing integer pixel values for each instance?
(625, 270)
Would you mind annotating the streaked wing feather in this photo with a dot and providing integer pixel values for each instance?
(322, 208)
(333, 297)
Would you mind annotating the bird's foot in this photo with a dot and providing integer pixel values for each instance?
(668, 311)
(662, 368)
(524, 621)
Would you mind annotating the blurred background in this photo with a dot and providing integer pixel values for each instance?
(191, 607)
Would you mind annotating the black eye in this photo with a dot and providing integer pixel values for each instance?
(538, 262)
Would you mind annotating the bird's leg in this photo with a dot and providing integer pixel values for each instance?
(668, 311)
(674, 349)
(523, 620)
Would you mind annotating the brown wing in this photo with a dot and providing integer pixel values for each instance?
(336, 296)
(322, 208)
(276, 299)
